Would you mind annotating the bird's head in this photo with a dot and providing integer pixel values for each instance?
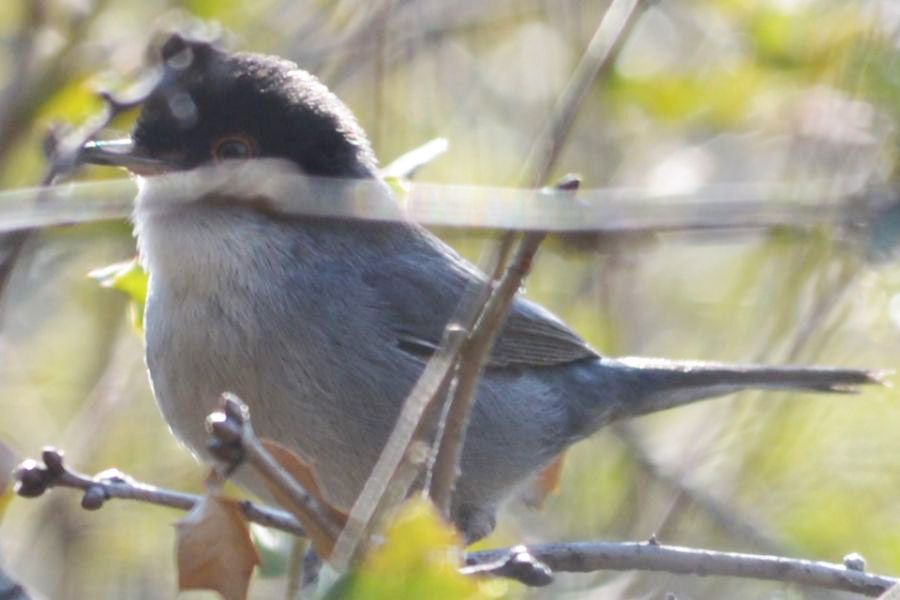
(211, 106)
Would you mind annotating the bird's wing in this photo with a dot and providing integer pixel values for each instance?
(422, 289)
(534, 336)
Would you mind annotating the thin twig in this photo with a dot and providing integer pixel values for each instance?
(22, 98)
(473, 356)
(64, 156)
(34, 478)
(234, 441)
(10, 589)
(439, 370)
(600, 55)
(294, 568)
(582, 557)
(435, 378)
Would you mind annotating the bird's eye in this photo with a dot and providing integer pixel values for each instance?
(232, 147)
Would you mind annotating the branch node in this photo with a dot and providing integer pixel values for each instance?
(418, 452)
(53, 461)
(31, 479)
(570, 182)
(94, 497)
(855, 562)
(226, 430)
(518, 564)
(113, 104)
(454, 332)
(114, 476)
(235, 409)
(53, 136)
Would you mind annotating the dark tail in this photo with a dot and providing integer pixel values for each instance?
(649, 385)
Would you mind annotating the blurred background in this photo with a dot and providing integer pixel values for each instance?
(704, 94)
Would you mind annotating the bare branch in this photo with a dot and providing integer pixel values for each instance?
(64, 154)
(435, 379)
(34, 478)
(600, 55)
(65, 151)
(233, 440)
(584, 557)
(472, 358)
(532, 565)
(10, 589)
(23, 96)
(517, 563)
(432, 384)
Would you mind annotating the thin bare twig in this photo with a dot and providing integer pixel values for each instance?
(234, 441)
(434, 379)
(600, 54)
(292, 588)
(10, 589)
(584, 557)
(528, 565)
(34, 478)
(64, 155)
(438, 372)
(473, 356)
(22, 97)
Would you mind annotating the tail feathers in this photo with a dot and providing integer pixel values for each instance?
(656, 384)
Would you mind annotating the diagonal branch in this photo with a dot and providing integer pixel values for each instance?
(233, 440)
(473, 355)
(439, 371)
(600, 54)
(64, 153)
(10, 589)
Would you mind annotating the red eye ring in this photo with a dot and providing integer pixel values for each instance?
(233, 147)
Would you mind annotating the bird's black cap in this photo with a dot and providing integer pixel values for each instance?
(210, 105)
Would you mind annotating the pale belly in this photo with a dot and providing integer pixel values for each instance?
(190, 367)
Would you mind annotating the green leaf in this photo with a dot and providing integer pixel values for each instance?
(419, 559)
(131, 279)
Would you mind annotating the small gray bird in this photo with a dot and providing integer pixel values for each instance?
(322, 325)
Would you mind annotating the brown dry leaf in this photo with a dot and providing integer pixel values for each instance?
(305, 475)
(213, 548)
(546, 483)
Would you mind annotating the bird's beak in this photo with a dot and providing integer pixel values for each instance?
(123, 153)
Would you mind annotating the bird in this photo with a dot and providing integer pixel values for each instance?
(323, 324)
